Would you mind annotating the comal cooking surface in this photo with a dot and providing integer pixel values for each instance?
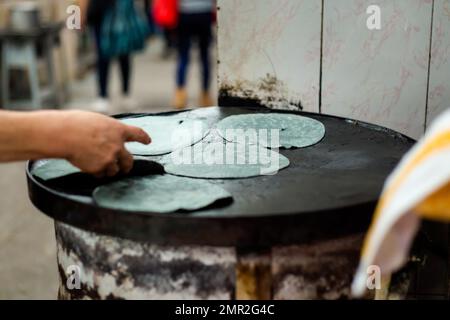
(332, 185)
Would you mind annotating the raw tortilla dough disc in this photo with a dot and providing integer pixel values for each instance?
(219, 159)
(58, 168)
(53, 169)
(168, 133)
(159, 194)
(295, 131)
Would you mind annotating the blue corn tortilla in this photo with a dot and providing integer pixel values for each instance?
(168, 133)
(294, 131)
(159, 194)
(208, 160)
(52, 169)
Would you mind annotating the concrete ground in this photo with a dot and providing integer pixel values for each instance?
(27, 245)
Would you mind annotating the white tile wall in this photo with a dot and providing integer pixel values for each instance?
(439, 94)
(378, 76)
(276, 37)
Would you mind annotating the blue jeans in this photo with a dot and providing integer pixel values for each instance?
(194, 26)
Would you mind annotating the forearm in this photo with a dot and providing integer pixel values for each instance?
(31, 135)
(83, 4)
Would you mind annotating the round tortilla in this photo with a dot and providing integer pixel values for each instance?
(294, 131)
(53, 169)
(159, 194)
(168, 134)
(58, 168)
(219, 159)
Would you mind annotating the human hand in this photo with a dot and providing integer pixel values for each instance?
(96, 143)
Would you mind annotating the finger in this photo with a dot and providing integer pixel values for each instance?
(112, 170)
(88, 169)
(134, 134)
(100, 175)
(125, 161)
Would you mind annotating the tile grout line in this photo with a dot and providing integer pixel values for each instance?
(429, 66)
(321, 56)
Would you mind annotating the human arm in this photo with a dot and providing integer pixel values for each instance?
(90, 141)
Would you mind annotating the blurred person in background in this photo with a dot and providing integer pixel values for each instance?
(149, 14)
(94, 13)
(170, 43)
(167, 33)
(194, 22)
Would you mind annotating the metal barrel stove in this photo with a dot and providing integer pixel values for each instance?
(294, 235)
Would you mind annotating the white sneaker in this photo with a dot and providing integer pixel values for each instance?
(101, 105)
(128, 104)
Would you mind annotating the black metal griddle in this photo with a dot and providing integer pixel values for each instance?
(330, 189)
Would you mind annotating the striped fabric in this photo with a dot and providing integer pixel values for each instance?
(196, 6)
(418, 188)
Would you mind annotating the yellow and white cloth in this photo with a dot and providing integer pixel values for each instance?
(418, 188)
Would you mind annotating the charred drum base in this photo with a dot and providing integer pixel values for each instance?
(113, 268)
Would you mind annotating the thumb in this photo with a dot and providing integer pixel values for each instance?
(134, 134)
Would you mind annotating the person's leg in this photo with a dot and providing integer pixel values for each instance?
(205, 37)
(125, 68)
(103, 64)
(184, 46)
(149, 13)
(169, 43)
(103, 74)
(127, 102)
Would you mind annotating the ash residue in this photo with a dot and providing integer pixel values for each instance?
(268, 91)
